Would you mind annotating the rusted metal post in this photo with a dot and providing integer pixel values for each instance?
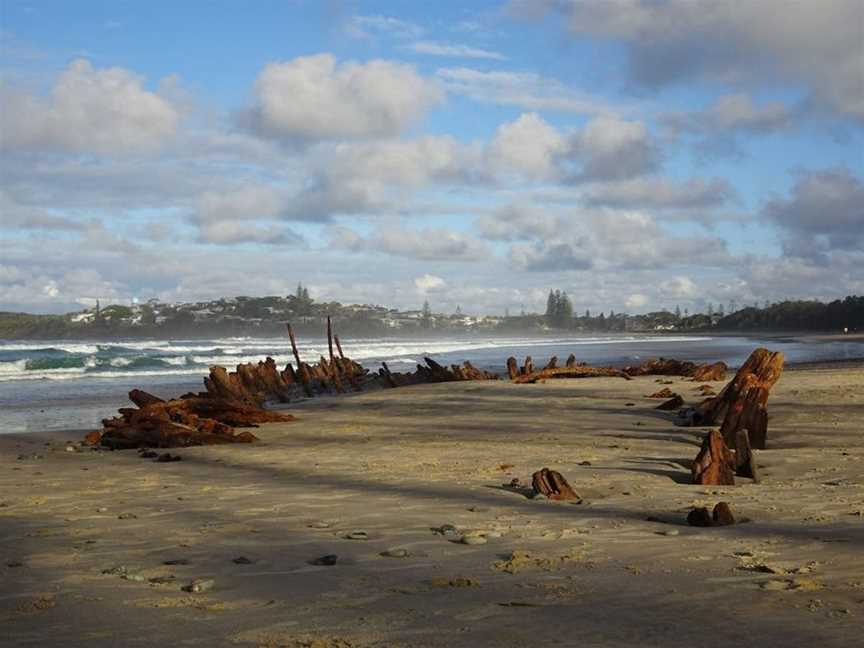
(330, 338)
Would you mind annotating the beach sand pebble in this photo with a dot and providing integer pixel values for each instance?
(395, 553)
(200, 585)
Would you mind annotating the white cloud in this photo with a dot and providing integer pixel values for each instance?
(526, 90)
(528, 146)
(734, 112)
(679, 287)
(430, 244)
(824, 213)
(612, 147)
(636, 300)
(233, 232)
(433, 48)
(660, 193)
(246, 203)
(374, 26)
(89, 110)
(429, 283)
(818, 46)
(313, 98)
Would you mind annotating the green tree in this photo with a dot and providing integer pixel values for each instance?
(426, 315)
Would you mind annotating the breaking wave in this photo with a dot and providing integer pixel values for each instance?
(64, 360)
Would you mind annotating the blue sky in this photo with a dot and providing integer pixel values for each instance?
(639, 154)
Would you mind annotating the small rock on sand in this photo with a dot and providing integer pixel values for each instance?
(395, 553)
(329, 560)
(357, 535)
(200, 585)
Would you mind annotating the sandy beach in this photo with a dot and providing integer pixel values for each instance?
(97, 547)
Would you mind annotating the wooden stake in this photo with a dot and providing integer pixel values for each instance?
(330, 338)
(293, 343)
(339, 347)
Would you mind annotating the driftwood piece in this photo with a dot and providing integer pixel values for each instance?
(512, 368)
(528, 367)
(707, 372)
(571, 361)
(552, 485)
(143, 399)
(745, 461)
(661, 367)
(714, 465)
(674, 403)
(552, 364)
(663, 393)
(672, 367)
(570, 372)
(743, 402)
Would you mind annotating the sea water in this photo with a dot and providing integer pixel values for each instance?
(61, 385)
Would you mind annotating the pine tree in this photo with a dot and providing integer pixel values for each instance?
(426, 315)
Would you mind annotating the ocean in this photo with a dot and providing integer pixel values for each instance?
(64, 385)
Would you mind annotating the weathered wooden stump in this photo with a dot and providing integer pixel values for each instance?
(512, 367)
(714, 465)
(743, 402)
(552, 484)
(707, 372)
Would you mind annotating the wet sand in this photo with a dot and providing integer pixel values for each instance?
(83, 533)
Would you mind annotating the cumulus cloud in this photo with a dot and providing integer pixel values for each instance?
(431, 244)
(679, 287)
(88, 110)
(636, 300)
(545, 256)
(660, 193)
(824, 213)
(528, 146)
(233, 232)
(612, 148)
(817, 46)
(734, 112)
(314, 98)
(429, 283)
(246, 203)
(603, 239)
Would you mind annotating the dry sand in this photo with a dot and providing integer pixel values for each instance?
(620, 568)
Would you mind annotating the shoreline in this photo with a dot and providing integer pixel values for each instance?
(88, 533)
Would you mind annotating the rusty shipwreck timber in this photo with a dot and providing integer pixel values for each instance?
(239, 398)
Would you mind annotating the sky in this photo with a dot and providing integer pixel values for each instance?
(637, 154)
